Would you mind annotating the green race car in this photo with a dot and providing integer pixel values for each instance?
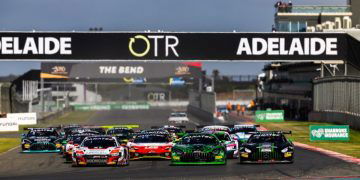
(197, 149)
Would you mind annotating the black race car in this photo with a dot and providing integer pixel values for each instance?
(122, 134)
(41, 140)
(267, 147)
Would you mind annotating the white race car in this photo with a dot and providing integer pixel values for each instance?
(178, 117)
(100, 150)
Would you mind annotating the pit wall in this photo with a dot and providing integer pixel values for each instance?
(337, 118)
(202, 105)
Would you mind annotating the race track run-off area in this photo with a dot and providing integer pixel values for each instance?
(308, 164)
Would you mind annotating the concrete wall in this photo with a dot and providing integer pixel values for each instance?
(4, 98)
(202, 105)
(335, 117)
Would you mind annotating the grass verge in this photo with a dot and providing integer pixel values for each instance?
(300, 133)
(8, 143)
(13, 138)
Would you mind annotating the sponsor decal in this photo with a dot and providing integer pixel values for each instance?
(176, 81)
(137, 80)
(121, 69)
(7, 124)
(278, 46)
(38, 46)
(269, 116)
(182, 70)
(23, 118)
(151, 42)
(156, 96)
(329, 133)
(59, 70)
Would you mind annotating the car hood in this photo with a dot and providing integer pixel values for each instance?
(189, 148)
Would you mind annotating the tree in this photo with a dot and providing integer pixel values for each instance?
(215, 74)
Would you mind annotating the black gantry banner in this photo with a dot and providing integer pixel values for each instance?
(89, 46)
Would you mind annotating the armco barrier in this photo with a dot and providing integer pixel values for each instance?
(337, 118)
(111, 106)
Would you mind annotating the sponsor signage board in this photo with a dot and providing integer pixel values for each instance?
(87, 46)
(23, 118)
(329, 133)
(269, 116)
(8, 124)
(111, 106)
(130, 72)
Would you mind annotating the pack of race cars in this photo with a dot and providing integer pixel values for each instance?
(116, 145)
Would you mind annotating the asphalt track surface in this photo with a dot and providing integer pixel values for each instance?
(308, 164)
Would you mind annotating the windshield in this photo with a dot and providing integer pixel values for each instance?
(199, 139)
(223, 137)
(151, 139)
(77, 139)
(262, 138)
(178, 115)
(99, 143)
(243, 129)
(119, 131)
(42, 133)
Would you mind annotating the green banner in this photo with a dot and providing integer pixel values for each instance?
(269, 116)
(111, 106)
(330, 133)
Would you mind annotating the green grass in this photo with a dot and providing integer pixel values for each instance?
(67, 118)
(300, 133)
(8, 143)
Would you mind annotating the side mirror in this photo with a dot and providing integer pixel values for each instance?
(62, 133)
(76, 145)
(23, 135)
(180, 135)
(176, 140)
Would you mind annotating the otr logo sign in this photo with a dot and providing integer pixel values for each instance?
(152, 42)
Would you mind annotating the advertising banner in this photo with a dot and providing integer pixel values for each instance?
(111, 106)
(329, 133)
(23, 118)
(269, 116)
(132, 46)
(129, 72)
(7, 124)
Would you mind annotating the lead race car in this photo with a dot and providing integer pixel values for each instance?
(197, 149)
(41, 140)
(267, 147)
(100, 150)
(151, 144)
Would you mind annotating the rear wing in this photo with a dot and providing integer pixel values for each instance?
(130, 126)
(271, 132)
(41, 129)
(167, 126)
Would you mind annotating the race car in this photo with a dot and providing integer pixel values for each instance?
(178, 117)
(41, 140)
(175, 131)
(214, 128)
(198, 148)
(267, 147)
(151, 145)
(123, 133)
(73, 141)
(100, 150)
(231, 144)
(242, 132)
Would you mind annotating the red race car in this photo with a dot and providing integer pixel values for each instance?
(151, 145)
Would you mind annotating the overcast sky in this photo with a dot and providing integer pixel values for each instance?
(140, 15)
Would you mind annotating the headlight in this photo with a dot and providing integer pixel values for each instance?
(285, 150)
(177, 151)
(26, 141)
(247, 150)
